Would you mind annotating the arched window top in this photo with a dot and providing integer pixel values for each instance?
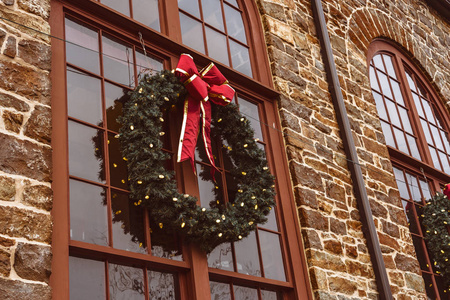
(412, 118)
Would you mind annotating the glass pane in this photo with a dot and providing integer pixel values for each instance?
(207, 188)
(161, 286)
(420, 252)
(426, 192)
(190, 6)
(147, 64)
(235, 25)
(217, 46)
(380, 106)
(389, 66)
(441, 287)
(127, 223)
(164, 245)
(426, 131)
(84, 98)
(233, 2)
(418, 105)
(436, 137)
(387, 131)
(401, 183)
(126, 283)
(250, 111)
(246, 256)
(212, 14)
(86, 152)
(434, 157)
(428, 112)
(391, 107)
(444, 162)
(378, 62)
(429, 286)
(401, 142)
(240, 58)
(413, 147)
(271, 255)
(414, 188)
(271, 221)
(221, 257)
(87, 279)
(409, 212)
(88, 217)
(146, 12)
(119, 5)
(117, 166)
(192, 33)
(384, 85)
(405, 120)
(220, 291)
(412, 86)
(245, 293)
(446, 142)
(397, 93)
(82, 46)
(114, 98)
(373, 80)
(268, 295)
(117, 61)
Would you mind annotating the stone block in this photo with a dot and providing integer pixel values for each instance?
(13, 122)
(338, 227)
(10, 47)
(333, 246)
(7, 189)
(39, 196)
(10, 101)
(407, 263)
(5, 263)
(14, 290)
(306, 176)
(35, 53)
(305, 197)
(37, 7)
(313, 219)
(342, 285)
(39, 124)
(415, 282)
(33, 262)
(326, 261)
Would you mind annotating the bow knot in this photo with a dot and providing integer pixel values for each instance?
(208, 84)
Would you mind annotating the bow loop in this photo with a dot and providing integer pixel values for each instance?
(186, 68)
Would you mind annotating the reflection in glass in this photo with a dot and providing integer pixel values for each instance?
(221, 257)
(127, 223)
(192, 33)
(391, 107)
(428, 112)
(384, 85)
(145, 64)
(217, 46)
(435, 158)
(405, 120)
(388, 134)
(444, 161)
(82, 46)
(88, 217)
(429, 286)
(163, 245)
(117, 166)
(268, 295)
(240, 58)
(235, 25)
(420, 253)
(161, 286)
(271, 221)
(378, 62)
(84, 97)
(389, 66)
(146, 12)
(245, 293)
(87, 279)
(426, 132)
(412, 86)
(250, 112)
(414, 188)
(373, 80)
(271, 255)
(380, 106)
(126, 283)
(219, 291)
(86, 152)
(190, 6)
(425, 189)
(209, 192)
(119, 5)
(436, 137)
(413, 146)
(401, 142)
(212, 14)
(418, 105)
(247, 257)
(117, 61)
(397, 93)
(401, 183)
(114, 98)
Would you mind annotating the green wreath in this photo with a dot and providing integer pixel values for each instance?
(152, 184)
(436, 219)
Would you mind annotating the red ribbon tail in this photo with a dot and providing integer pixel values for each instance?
(206, 135)
(189, 132)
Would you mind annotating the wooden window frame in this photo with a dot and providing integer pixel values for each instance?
(425, 167)
(193, 272)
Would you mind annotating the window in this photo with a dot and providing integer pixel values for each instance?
(415, 126)
(105, 246)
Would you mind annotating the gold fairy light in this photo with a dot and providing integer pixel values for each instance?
(139, 182)
(245, 145)
(183, 224)
(160, 225)
(175, 199)
(162, 133)
(250, 223)
(240, 237)
(240, 191)
(161, 176)
(161, 119)
(203, 209)
(146, 197)
(132, 127)
(217, 221)
(186, 195)
(244, 173)
(151, 145)
(266, 168)
(242, 204)
(140, 91)
(115, 165)
(220, 234)
(166, 99)
(118, 212)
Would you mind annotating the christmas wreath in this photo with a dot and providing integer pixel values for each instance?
(436, 219)
(152, 185)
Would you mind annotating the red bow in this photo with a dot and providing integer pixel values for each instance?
(209, 84)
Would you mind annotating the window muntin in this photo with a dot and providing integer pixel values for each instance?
(216, 28)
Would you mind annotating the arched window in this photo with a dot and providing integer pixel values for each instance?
(105, 247)
(415, 126)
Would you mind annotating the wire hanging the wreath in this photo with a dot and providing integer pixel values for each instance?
(152, 185)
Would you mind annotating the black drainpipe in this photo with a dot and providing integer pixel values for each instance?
(368, 225)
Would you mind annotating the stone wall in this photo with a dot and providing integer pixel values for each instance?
(336, 250)
(25, 152)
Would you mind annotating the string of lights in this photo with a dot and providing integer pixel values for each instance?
(343, 156)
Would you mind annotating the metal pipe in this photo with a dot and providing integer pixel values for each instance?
(362, 199)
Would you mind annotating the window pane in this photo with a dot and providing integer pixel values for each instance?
(190, 6)
(212, 14)
(86, 152)
(221, 257)
(121, 6)
(401, 183)
(126, 283)
(413, 147)
(88, 217)
(250, 111)
(418, 105)
(378, 62)
(164, 245)
(232, 2)
(414, 188)
(445, 139)
(391, 107)
(388, 134)
(389, 66)
(117, 61)
(268, 295)
(420, 252)
(380, 106)
(412, 86)
(271, 255)
(271, 221)
(235, 25)
(240, 58)
(245, 293)
(426, 131)
(436, 137)
(127, 223)
(246, 256)
(220, 291)
(373, 80)
(161, 286)
(405, 120)
(192, 33)
(114, 98)
(217, 46)
(426, 192)
(409, 212)
(117, 166)
(401, 142)
(84, 98)
(146, 12)
(434, 157)
(82, 46)
(397, 93)
(207, 188)
(429, 286)
(444, 161)
(87, 279)
(147, 64)
(384, 85)
(428, 112)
